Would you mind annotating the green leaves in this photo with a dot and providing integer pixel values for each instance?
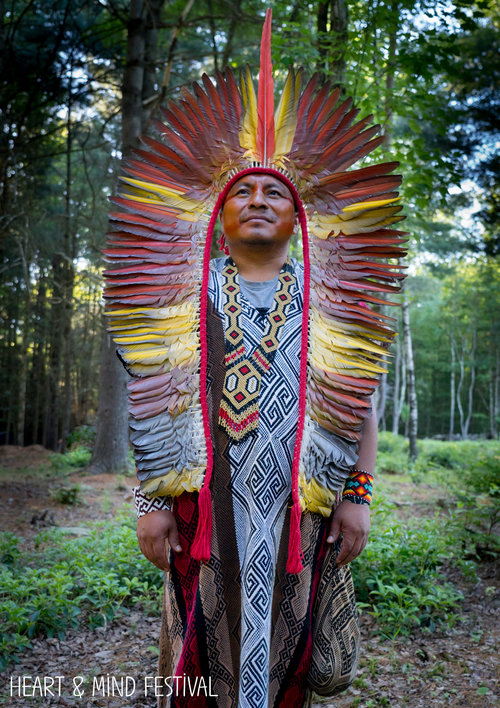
(66, 583)
(398, 577)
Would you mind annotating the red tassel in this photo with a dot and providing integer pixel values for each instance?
(200, 549)
(295, 555)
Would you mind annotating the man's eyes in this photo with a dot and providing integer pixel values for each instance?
(244, 191)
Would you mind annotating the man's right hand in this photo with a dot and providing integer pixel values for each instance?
(153, 531)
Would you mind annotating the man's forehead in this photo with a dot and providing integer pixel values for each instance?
(264, 179)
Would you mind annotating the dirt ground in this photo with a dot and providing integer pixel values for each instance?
(458, 668)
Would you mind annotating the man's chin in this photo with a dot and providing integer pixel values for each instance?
(254, 240)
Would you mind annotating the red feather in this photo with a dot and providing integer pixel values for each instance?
(265, 96)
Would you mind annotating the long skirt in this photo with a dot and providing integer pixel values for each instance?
(211, 610)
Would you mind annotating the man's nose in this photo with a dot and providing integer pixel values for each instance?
(257, 198)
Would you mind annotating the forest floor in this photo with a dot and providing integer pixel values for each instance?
(456, 667)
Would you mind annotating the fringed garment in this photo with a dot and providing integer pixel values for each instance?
(241, 619)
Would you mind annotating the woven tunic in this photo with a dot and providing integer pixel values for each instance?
(240, 620)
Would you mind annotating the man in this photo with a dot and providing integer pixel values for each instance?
(258, 221)
(253, 376)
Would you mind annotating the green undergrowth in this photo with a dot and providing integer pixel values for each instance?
(466, 478)
(401, 577)
(70, 582)
(75, 458)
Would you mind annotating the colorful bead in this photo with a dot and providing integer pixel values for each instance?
(358, 487)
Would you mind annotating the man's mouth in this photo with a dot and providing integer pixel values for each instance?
(257, 217)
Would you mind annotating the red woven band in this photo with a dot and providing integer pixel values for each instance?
(201, 544)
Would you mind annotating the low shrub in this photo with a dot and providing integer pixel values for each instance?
(67, 495)
(67, 582)
(476, 487)
(398, 578)
(73, 459)
(81, 436)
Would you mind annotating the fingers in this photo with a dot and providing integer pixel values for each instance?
(156, 531)
(334, 530)
(155, 551)
(352, 522)
(352, 546)
(173, 539)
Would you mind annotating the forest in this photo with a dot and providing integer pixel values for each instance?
(80, 80)
(427, 71)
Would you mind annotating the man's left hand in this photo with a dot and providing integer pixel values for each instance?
(353, 522)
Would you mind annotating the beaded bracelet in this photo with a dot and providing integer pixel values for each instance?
(358, 487)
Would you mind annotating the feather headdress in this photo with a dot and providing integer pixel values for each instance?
(159, 250)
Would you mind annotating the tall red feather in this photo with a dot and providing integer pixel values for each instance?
(265, 96)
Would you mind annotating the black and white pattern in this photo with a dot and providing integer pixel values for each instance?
(144, 504)
(261, 486)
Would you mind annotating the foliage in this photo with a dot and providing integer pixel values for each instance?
(77, 457)
(67, 495)
(82, 435)
(427, 71)
(398, 576)
(467, 474)
(392, 455)
(70, 582)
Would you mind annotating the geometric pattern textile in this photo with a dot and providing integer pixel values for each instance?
(239, 409)
(336, 634)
(144, 505)
(240, 619)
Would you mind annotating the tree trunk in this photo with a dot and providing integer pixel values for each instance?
(472, 380)
(410, 375)
(332, 32)
(390, 72)
(463, 356)
(461, 378)
(110, 454)
(38, 360)
(235, 18)
(51, 426)
(339, 31)
(215, 53)
(149, 86)
(452, 387)
(111, 448)
(381, 400)
(69, 275)
(399, 387)
(23, 369)
(133, 77)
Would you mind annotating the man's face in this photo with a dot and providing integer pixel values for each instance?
(258, 210)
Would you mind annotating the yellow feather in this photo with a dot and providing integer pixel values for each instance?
(370, 205)
(285, 118)
(174, 483)
(248, 130)
(315, 497)
(357, 221)
(141, 191)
